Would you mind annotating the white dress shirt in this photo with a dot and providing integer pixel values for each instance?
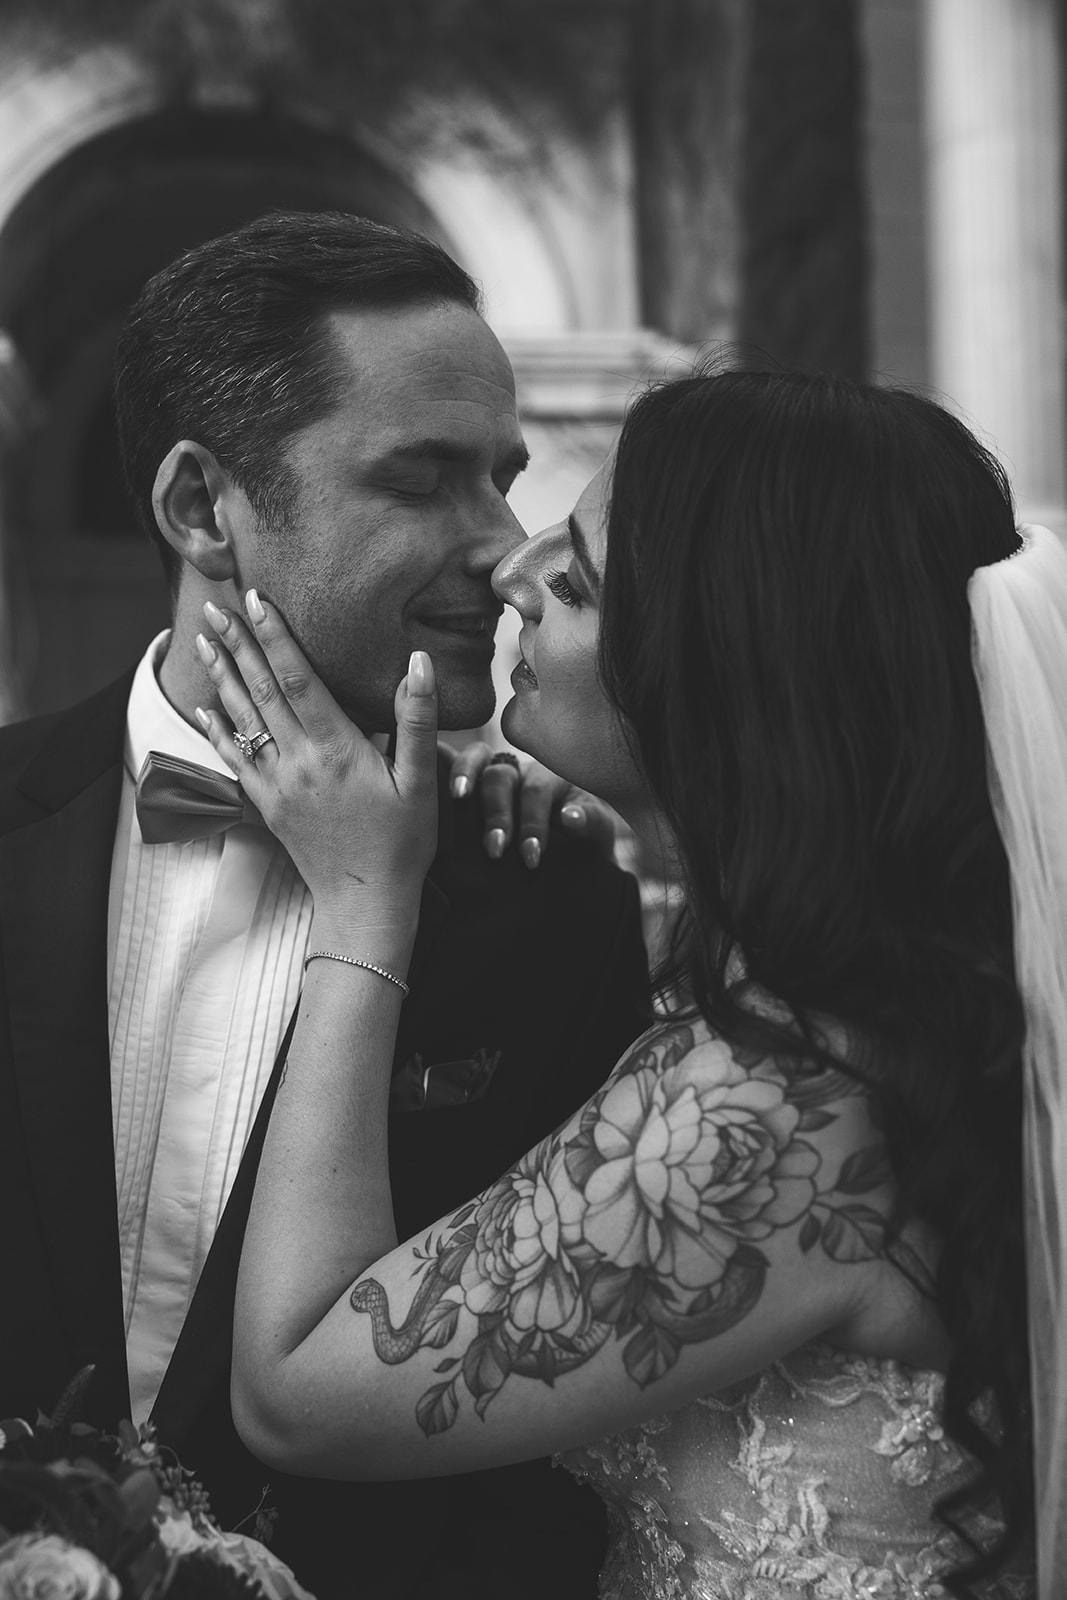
(206, 942)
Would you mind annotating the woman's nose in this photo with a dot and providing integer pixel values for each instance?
(511, 580)
(515, 578)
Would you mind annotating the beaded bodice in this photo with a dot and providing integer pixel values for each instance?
(815, 1480)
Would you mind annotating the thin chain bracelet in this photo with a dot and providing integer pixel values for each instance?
(354, 961)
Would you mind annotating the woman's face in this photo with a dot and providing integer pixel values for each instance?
(560, 713)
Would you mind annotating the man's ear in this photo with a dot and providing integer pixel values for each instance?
(194, 500)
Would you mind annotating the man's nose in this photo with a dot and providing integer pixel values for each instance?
(499, 533)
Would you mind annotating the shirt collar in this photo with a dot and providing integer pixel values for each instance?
(153, 724)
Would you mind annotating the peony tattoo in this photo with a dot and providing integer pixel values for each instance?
(643, 1226)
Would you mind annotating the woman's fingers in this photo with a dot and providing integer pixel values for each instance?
(522, 802)
(220, 730)
(467, 766)
(499, 785)
(415, 761)
(278, 674)
(238, 717)
(496, 784)
(586, 817)
(545, 797)
(245, 680)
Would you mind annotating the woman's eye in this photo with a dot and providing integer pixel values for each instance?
(559, 584)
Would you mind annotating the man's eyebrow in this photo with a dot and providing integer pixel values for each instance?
(582, 556)
(430, 449)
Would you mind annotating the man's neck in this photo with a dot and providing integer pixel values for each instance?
(183, 678)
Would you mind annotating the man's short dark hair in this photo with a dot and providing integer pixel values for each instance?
(229, 345)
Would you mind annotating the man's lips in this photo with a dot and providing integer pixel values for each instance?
(461, 624)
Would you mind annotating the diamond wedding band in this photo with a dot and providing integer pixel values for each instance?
(250, 747)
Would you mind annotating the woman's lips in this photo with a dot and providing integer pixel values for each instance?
(522, 677)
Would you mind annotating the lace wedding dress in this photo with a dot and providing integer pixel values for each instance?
(815, 1480)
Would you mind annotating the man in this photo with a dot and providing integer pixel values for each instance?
(314, 407)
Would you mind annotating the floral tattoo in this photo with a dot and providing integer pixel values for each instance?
(643, 1225)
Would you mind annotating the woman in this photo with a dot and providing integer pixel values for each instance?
(776, 1265)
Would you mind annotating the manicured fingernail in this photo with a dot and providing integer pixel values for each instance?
(420, 673)
(218, 619)
(202, 717)
(531, 852)
(574, 816)
(254, 606)
(496, 843)
(461, 787)
(208, 654)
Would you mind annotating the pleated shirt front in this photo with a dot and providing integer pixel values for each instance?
(206, 942)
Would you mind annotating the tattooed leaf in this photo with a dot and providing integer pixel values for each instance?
(864, 1170)
(679, 1045)
(703, 1302)
(437, 1409)
(661, 1298)
(465, 1214)
(650, 1354)
(809, 1233)
(811, 1121)
(524, 1345)
(614, 1294)
(486, 1364)
(439, 1325)
(447, 1364)
(748, 1056)
(853, 1233)
(451, 1262)
(546, 1364)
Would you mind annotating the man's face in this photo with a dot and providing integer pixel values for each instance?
(400, 513)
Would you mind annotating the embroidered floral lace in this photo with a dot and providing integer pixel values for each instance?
(815, 1480)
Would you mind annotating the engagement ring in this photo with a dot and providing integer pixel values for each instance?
(249, 747)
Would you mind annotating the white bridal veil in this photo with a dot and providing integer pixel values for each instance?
(1019, 611)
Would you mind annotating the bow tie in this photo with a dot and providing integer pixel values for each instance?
(178, 800)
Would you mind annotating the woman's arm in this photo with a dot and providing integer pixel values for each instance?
(696, 1220)
(699, 1217)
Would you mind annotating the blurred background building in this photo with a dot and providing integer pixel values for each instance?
(872, 186)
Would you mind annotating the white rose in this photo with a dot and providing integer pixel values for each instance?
(176, 1532)
(41, 1566)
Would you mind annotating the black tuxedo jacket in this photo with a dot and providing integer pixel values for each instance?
(544, 971)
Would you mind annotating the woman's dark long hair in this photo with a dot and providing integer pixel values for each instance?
(786, 632)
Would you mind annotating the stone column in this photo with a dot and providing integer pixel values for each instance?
(993, 88)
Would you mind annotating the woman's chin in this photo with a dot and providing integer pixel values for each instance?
(515, 727)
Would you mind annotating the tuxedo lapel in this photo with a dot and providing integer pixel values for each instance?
(54, 880)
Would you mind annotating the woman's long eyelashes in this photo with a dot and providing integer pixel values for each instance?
(558, 584)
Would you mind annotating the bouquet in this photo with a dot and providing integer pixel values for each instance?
(86, 1515)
